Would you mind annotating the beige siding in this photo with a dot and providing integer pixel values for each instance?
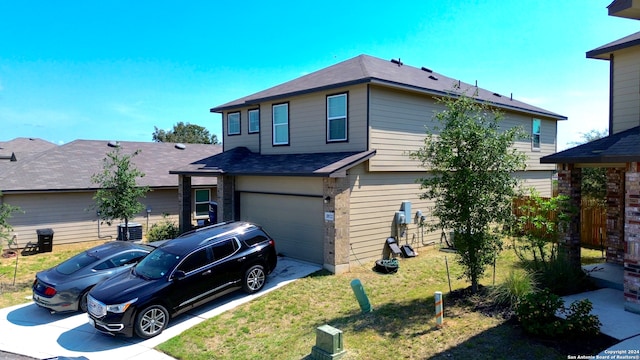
(250, 141)
(72, 218)
(375, 198)
(280, 185)
(398, 121)
(307, 123)
(626, 89)
(540, 180)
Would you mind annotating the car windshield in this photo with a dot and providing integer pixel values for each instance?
(76, 263)
(157, 264)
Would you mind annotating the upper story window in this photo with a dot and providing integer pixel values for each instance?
(233, 123)
(202, 202)
(281, 124)
(337, 117)
(535, 134)
(254, 121)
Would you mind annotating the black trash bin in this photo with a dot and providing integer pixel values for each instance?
(45, 240)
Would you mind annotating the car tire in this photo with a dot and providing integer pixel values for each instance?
(82, 302)
(151, 321)
(254, 279)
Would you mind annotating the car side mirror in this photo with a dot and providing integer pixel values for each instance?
(179, 275)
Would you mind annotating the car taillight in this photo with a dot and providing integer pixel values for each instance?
(49, 291)
(271, 242)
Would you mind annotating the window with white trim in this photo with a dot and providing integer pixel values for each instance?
(337, 117)
(535, 134)
(254, 121)
(281, 124)
(202, 198)
(233, 123)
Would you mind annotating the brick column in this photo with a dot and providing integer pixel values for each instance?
(225, 192)
(632, 238)
(569, 181)
(615, 215)
(336, 197)
(184, 201)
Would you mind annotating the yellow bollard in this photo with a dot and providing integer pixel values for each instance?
(439, 309)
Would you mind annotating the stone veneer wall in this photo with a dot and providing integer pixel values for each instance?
(632, 239)
(336, 231)
(569, 182)
(615, 212)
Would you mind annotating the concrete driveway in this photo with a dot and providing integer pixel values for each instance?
(32, 331)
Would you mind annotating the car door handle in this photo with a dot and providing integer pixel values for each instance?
(242, 259)
(207, 272)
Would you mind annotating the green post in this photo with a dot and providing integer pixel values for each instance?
(363, 300)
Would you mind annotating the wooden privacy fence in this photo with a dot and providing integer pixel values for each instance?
(593, 220)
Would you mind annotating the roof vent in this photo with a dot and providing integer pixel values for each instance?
(433, 77)
(180, 146)
(113, 144)
(426, 69)
(496, 94)
(397, 62)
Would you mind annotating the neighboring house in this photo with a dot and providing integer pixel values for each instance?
(52, 186)
(321, 161)
(619, 153)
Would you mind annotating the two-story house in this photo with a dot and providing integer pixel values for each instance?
(619, 153)
(321, 161)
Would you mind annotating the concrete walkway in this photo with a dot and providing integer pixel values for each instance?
(32, 331)
(608, 305)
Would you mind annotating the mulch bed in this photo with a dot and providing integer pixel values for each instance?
(583, 345)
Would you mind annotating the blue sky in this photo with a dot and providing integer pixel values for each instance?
(113, 70)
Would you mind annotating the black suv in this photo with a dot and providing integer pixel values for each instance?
(181, 274)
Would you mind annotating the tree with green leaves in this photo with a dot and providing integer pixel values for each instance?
(6, 211)
(594, 179)
(470, 162)
(118, 196)
(185, 133)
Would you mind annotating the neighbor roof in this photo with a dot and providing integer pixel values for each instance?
(368, 69)
(603, 51)
(71, 166)
(24, 146)
(621, 147)
(241, 161)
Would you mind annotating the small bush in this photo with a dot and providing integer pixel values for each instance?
(163, 230)
(537, 314)
(516, 286)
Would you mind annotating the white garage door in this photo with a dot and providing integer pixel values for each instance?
(295, 222)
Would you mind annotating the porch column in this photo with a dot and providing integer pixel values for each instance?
(336, 198)
(226, 190)
(632, 238)
(615, 215)
(184, 201)
(569, 179)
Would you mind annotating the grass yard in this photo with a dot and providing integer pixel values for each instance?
(281, 324)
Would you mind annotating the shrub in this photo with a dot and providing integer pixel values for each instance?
(163, 230)
(516, 286)
(537, 314)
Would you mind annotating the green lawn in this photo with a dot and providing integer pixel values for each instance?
(282, 323)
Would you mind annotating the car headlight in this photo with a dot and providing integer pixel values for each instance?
(120, 308)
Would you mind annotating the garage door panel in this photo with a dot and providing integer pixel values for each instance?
(295, 222)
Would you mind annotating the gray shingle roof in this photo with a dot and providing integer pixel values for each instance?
(368, 69)
(241, 161)
(603, 51)
(621, 147)
(70, 166)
